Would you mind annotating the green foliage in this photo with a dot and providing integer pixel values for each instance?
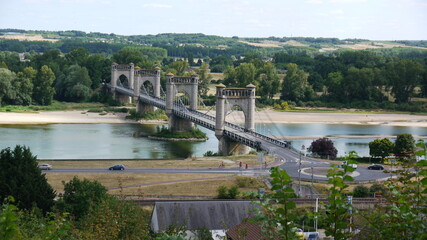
(157, 115)
(244, 182)
(6, 89)
(43, 91)
(404, 215)
(164, 132)
(8, 226)
(80, 196)
(381, 148)
(361, 191)
(112, 218)
(295, 83)
(74, 85)
(404, 145)
(284, 106)
(227, 193)
(404, 75)
(21, 178)
(276, 217)
(130, 55)
(338, 209)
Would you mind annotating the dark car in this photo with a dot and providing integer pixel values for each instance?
(376, 167)
(117, 167)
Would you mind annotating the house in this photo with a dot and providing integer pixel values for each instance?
(216, 216)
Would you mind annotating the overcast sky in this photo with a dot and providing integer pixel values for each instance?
(369, 19)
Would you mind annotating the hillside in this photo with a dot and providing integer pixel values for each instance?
(178, 44)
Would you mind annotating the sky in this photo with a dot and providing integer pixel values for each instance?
(366, 19)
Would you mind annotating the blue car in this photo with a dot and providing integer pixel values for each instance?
(117, 167)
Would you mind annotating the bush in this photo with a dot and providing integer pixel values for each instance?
(361, 191)
(227, 193)
(378, 189)
(164, 132)
(243, 182)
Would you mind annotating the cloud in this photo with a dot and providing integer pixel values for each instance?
(347, 1)
(156, 5)
(314, 1)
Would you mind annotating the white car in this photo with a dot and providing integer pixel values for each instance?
(45, 166)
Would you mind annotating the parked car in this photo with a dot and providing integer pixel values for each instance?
(351, 165)
(117, 167)
(376, 167)
(45, 166)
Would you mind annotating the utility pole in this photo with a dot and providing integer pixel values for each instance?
(299, 171)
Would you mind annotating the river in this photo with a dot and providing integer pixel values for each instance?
(99, 141)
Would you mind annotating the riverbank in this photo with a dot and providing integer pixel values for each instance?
(263, 117)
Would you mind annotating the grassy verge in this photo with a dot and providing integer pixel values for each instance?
(55, 106)
(183, 184)
(200, 162)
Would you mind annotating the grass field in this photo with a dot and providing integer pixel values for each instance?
(157, 183)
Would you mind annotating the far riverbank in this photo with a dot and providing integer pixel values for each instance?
(262, 117)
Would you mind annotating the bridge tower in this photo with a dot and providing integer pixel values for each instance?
(229, 97)
(175, 84)
(118, 70)
(142, 76)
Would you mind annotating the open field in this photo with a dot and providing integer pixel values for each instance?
(180, 184)
(26, 37)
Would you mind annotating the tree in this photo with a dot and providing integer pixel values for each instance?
(23, 86)
(403, 76)
(99, 69)
(268, 81)
(334, 83)
(77, 56)
(381, 148)
(43, 91)
(179, 67)
(295, 83)
(204, 79)
(129, 55)
(74, 85)
(323, 147)
(6, 89)
(80, 196)
(404, 145)
(240, 76)
(21, 178)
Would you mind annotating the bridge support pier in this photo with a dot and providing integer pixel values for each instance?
(227, 147)
(123, 99)
(180, 125)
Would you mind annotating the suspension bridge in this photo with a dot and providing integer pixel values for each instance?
(180, 101)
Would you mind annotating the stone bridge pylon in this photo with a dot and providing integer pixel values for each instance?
(175, 85)
(226, 98)
(131, 77)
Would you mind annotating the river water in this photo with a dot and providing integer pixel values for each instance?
(70, 141)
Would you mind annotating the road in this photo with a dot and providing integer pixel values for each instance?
(361, 173)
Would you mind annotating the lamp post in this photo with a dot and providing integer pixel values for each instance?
(299, 171)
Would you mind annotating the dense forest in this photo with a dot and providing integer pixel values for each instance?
(72, 65)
